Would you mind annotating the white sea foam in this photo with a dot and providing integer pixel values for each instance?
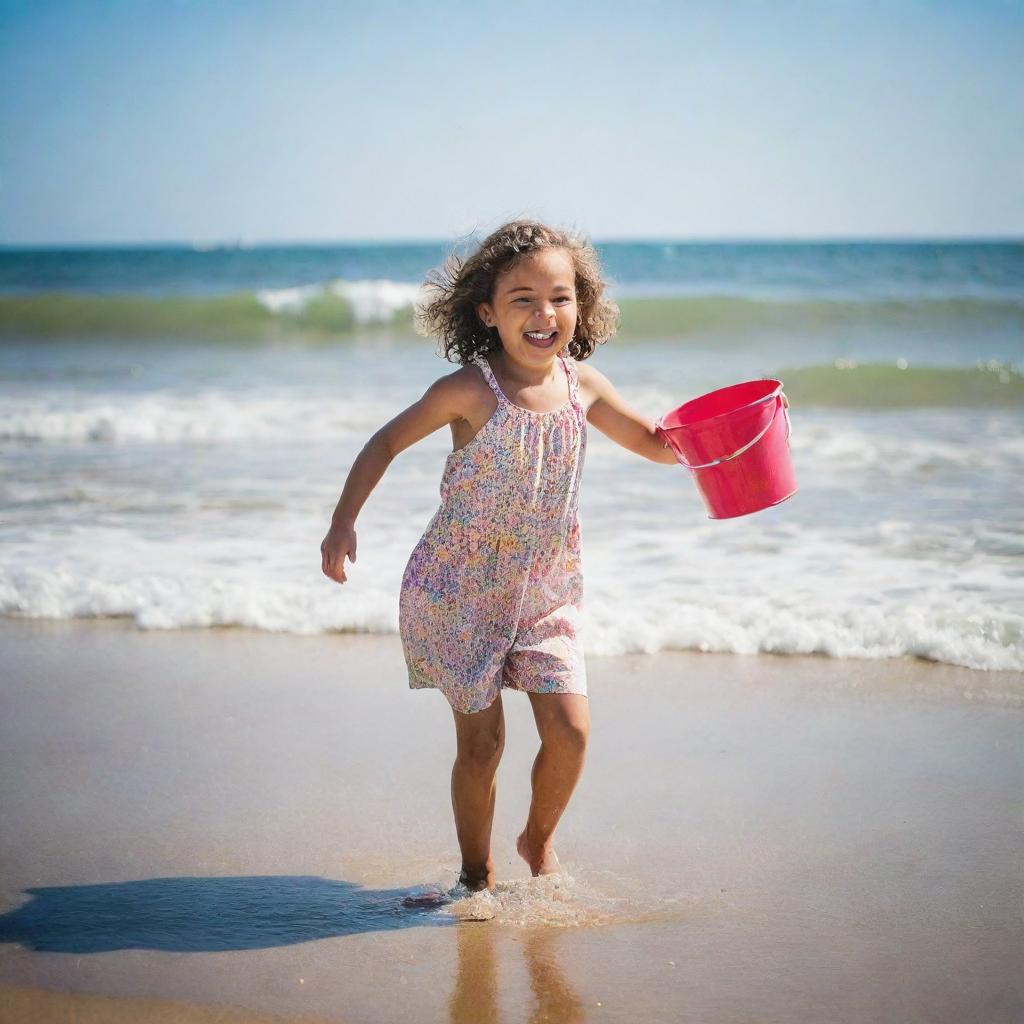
(172, 417)
(377, 301)
(827, 449)
(758, 594)
(972, 635)
(192, 599)
(371, 301)
(288, 300)
(185, 507)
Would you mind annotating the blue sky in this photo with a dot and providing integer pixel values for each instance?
(139, 120)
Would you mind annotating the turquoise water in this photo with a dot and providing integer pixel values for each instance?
(176, 425)
(955, 302)
(783, 269)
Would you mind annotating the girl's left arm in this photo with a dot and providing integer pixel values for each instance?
(612, 416)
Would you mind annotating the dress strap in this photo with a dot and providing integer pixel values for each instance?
(485, 369)
(574, 378)
(569, 365)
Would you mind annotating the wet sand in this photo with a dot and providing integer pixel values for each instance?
(199, 821)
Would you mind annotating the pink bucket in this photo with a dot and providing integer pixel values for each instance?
(737, 445)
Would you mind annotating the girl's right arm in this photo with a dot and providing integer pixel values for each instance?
(443, 402)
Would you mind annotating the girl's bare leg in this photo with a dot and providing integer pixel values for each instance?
(481, 739)
(563, 721)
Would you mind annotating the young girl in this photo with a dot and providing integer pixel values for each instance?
(491, 594)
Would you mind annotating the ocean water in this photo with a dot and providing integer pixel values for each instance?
(176, 425)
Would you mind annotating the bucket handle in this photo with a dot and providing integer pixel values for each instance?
(749, 444)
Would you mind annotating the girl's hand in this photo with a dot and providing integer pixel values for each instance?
(339, 542)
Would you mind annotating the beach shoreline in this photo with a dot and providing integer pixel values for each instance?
(209, 816)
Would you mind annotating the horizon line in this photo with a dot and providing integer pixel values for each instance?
(201, 245)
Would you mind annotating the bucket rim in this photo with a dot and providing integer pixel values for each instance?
(718, 415)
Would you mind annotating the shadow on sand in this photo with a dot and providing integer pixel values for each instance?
(193, 914)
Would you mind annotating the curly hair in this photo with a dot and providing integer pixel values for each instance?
(451, 295)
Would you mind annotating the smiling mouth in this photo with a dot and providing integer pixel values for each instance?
(541, 339)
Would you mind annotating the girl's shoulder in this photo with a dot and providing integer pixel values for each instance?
(467, 390)
(592, 382)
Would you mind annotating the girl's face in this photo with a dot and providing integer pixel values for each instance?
(534, 299)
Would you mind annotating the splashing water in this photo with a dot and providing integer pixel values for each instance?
(557, 900)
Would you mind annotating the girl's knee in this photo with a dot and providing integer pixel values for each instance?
(480, 754)
(577, 734)
(482, 750)
(562, 719)
(569, 732)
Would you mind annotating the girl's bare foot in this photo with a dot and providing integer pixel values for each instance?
(542, 861)
(475, 879)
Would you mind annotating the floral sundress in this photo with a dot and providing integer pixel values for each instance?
(492, 592)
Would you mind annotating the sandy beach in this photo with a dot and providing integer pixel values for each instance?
(222, 825)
